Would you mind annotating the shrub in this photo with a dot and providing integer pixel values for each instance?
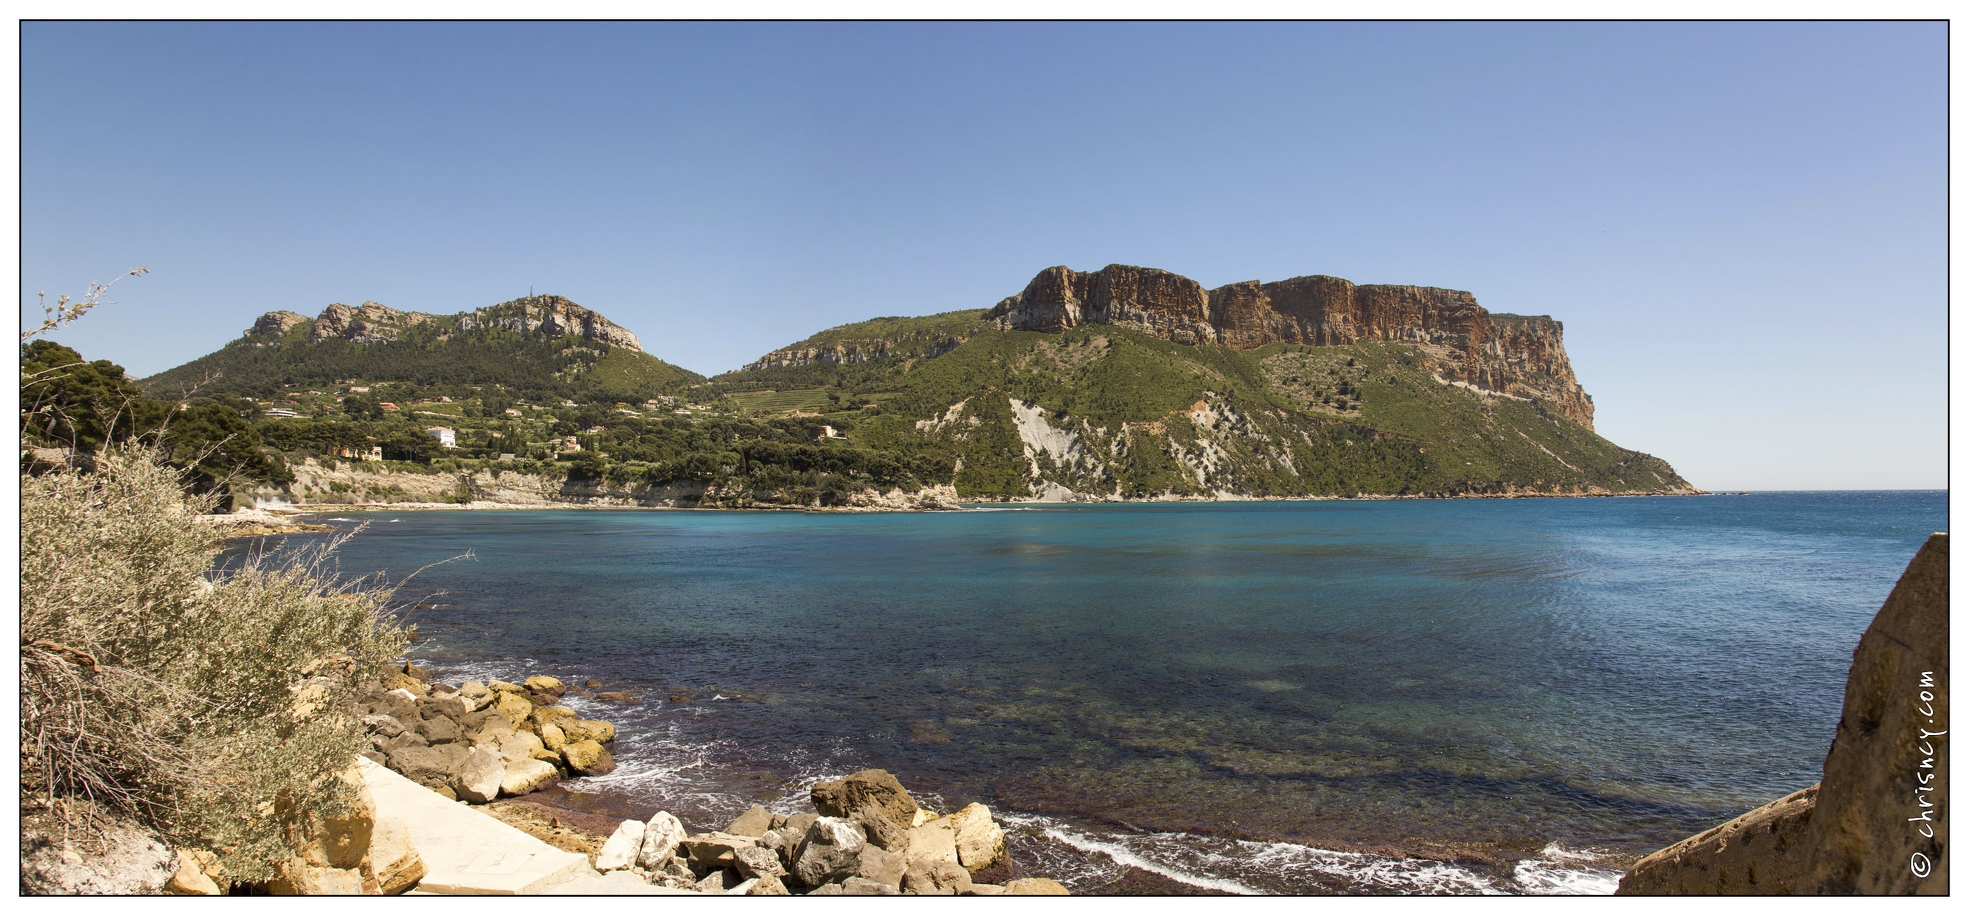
(209, 705)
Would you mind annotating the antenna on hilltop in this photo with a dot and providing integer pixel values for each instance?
(529, 290)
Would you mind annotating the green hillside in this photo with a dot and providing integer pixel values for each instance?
(434, 355)
(1109, 413)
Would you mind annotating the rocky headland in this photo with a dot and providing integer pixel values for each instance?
(1508, 354)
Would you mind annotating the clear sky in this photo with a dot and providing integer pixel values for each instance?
(1742, 226)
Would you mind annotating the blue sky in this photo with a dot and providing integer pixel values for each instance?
(1742, 226)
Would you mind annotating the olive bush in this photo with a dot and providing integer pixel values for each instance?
(210, 705)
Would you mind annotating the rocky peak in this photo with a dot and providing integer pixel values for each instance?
(371, 322)
(554, 316)
(374, 322)
(275, 324)
(1510, 354)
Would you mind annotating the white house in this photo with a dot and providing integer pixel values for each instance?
(445, 436)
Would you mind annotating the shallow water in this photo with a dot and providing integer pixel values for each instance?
(1467, 696)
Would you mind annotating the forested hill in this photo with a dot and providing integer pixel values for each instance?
(539, 347)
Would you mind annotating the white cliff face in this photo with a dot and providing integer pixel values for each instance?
(1062, 447)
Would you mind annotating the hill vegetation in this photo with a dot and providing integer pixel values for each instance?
(958, 400)
(442, 360)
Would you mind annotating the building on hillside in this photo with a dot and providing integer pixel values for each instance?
(359, 389)
(507, 456)
(372, 453)
(827, 432)
(446, 437)
(281, 413)
(513, 412)
(569, 445)
(386, 405)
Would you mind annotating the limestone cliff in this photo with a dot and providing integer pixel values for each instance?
(1509, 354)
(1878, 822)
(553, 316)
(373, 322)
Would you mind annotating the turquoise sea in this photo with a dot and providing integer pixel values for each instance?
(1413, 696)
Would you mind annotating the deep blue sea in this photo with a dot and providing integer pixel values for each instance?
(1458, 696)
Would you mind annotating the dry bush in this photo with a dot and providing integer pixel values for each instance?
(208, 706)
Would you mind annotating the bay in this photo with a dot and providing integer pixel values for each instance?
(1373, 696)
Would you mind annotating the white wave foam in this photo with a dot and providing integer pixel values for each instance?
(1561, 871)
(1122, 855)
(1248, 867)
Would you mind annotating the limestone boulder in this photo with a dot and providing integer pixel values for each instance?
(587, 758)
(662, 836)
(397, 680)
(541, 715)
(517, 746)
(757, 862)
(880, 865)
(619, 851)
(405, 740)
(587, 730)
(719, 881)
(754, 822)
(190, 879)
(384, 725)
(672, 872)
(716, 850)
(796, 826)
(542, 685)
(1035, 887)
(451, 706)
(295, 878)
(492, 731)
(862, 887)
(475, 690)
(979, 840)
(478, 781)
(876, 794)
(552, 738)
(393, 862)
(437, 730)
(934, 840)
(528, 775)
(337, 838)
(514, 707)
(831, 850)
(431, 766)
(927, 878)
(768, 886)
(1748, 855)
(882, 830)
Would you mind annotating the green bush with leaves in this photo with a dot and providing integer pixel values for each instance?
(209, 705)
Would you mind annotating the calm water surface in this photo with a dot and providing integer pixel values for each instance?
(1356, 697)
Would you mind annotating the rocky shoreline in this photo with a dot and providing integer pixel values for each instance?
(479, 742)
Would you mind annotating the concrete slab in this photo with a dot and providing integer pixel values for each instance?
(617, 884)
(466, 851)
